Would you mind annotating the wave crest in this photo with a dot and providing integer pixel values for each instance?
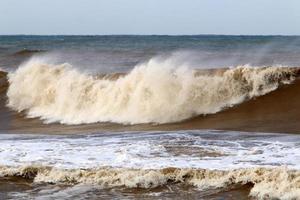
(154, 92)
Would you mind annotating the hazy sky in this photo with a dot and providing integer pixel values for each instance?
(150, 17)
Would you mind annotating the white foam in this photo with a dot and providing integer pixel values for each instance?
(194, 149)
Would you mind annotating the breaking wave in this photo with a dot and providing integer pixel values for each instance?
(153, 92)
(268, 183)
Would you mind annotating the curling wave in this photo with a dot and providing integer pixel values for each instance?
(154, 92)
(268, 183)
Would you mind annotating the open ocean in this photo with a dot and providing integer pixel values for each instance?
(150, 117)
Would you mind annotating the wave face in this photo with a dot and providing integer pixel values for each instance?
(3, 82)
(152, 92)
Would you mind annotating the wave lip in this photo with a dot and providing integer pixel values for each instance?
(155, 92)
(267, 182)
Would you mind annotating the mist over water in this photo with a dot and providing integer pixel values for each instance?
(122, 53)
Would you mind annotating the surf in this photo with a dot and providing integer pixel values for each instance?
(203, 160)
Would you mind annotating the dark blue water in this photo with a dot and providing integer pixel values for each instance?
(121, 53)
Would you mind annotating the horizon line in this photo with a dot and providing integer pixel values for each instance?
(170, 35)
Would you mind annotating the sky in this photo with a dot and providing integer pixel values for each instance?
(146, 17)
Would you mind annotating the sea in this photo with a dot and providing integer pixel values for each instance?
(149, 117)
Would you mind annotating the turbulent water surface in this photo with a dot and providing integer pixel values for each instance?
(166, 117)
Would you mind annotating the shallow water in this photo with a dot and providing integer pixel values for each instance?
(146, 164)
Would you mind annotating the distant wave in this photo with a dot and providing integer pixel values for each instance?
(153, 92)
(268, 183)
(28, 52)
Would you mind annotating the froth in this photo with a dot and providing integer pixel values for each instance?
(267, 182)
(154, 92)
